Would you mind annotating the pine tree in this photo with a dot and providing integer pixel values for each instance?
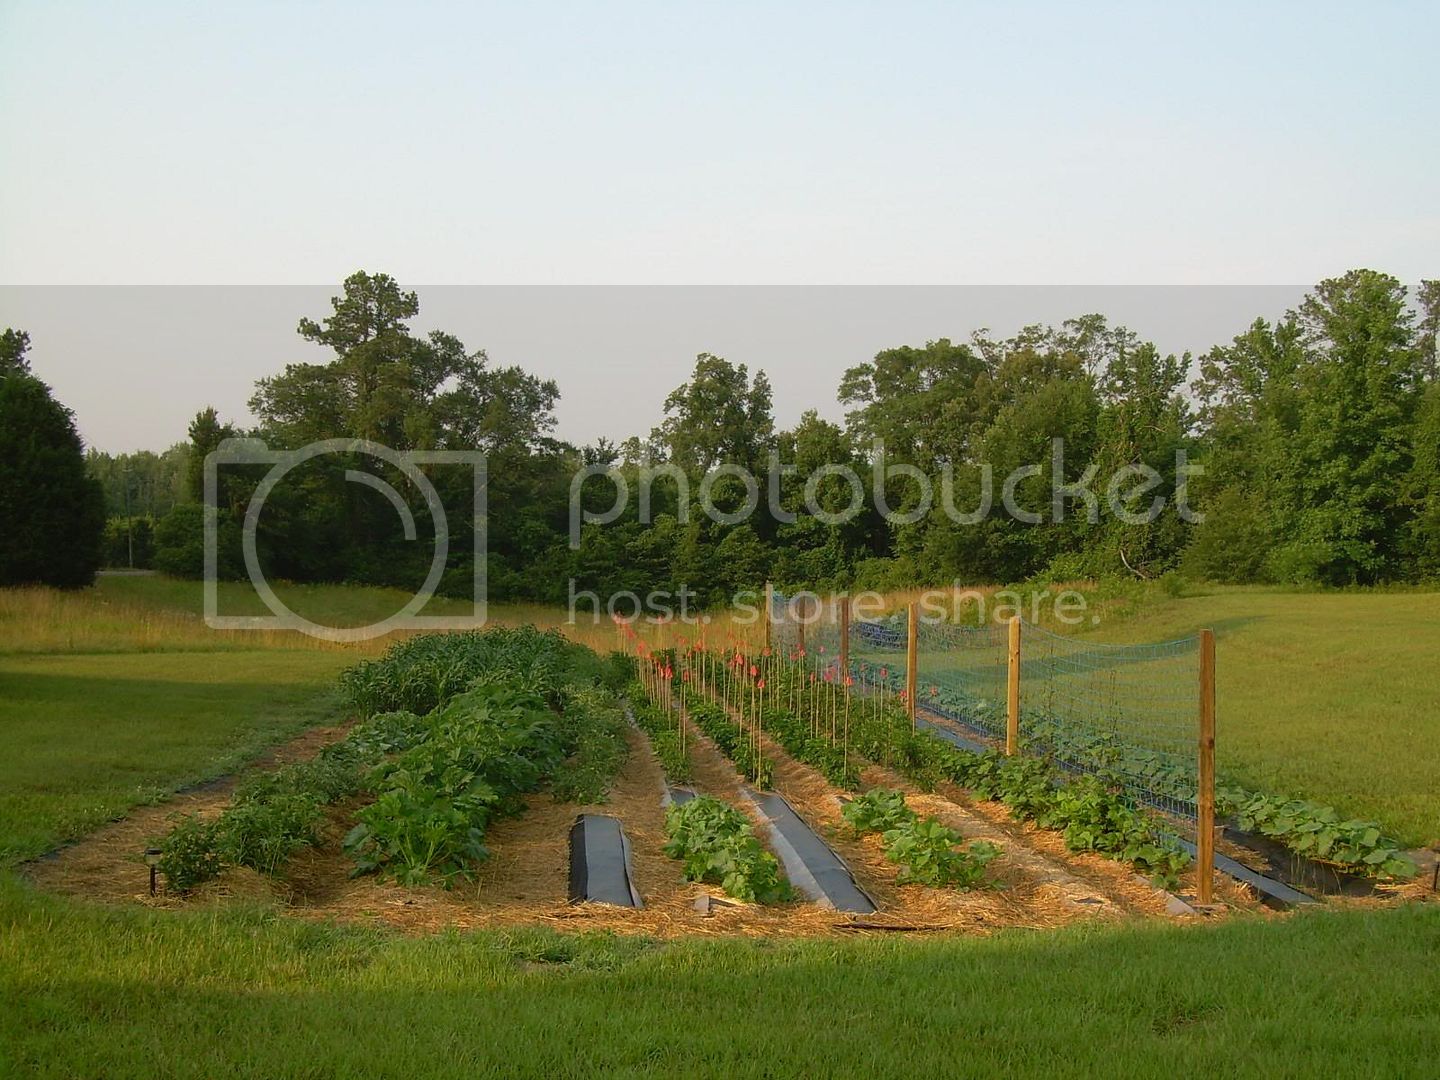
(52, 513)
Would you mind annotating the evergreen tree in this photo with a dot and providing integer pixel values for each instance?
(52, 513)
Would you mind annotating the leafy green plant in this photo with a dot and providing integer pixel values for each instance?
(1309, 829)
(486, 748)
(416, 835)
(926, 853)
(800, 742)
(716, 845)
(263, 834)
(877, 810)
(424, 672)
(1318, 832)
(1094, 817)
(1025, 784)
(733, 742)
(659, 726)
(597, 729)
(190, 854)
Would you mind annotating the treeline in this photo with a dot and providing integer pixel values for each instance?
(1318, 433)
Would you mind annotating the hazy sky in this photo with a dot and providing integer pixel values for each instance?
(600, 191)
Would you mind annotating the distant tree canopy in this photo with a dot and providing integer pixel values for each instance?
(389, 386)
(52, 513)
(1318, 433)
(14, 344)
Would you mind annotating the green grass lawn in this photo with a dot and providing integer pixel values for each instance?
(1328, 696)
(87, 736)
(94, 991)
(1333, 696)
(243, 993)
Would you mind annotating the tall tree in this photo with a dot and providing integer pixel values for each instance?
(1313, 420)
(720, 415)
(53, 511)
(924, 403)
(389, 386)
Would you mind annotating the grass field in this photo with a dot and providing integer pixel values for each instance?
(1334, 696)
(99, 712)
(134, 993)
(88, 736)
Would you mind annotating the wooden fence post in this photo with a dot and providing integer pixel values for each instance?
(912, 661)
(1205, 798)
(1012, 697)
(844, 640)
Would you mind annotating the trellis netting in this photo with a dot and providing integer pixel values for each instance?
(1127, 713)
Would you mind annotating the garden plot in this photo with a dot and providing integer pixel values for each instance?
(520, 736)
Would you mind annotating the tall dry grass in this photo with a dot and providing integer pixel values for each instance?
(40, 620)
(141, 617)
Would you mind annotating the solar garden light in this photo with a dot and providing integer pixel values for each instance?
(152, 860)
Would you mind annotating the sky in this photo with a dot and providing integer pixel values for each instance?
(598, 192)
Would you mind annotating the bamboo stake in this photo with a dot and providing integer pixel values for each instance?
(769, 611)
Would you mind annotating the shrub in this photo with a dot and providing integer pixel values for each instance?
(190, 854)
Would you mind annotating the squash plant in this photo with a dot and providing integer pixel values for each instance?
(716, 845)
(927, 854)
(925, 850)
(877, 810)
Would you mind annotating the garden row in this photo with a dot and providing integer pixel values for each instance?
(504, 712)
(926, 851)
(824, 723)
(1307, 828)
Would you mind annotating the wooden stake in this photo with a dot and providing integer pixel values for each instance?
(769, 610)
(1012, 702)
(844, 639)
(912, 661)
(1205, 799)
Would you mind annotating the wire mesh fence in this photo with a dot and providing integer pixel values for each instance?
(1126, 713)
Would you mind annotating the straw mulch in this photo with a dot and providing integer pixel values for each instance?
(1037, 884)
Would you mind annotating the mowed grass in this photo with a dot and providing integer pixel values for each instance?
(1332, 696)
(86, 737)
(123, 993)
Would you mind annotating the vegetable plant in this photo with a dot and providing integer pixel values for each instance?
(716, 845)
